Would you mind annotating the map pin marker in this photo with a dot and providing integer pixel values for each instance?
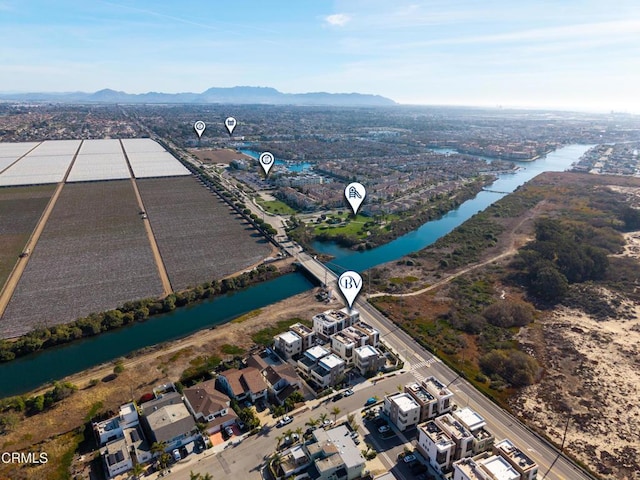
(355, 193)
(230, 123)
(199, 127)
(350, 284)
(266, 161)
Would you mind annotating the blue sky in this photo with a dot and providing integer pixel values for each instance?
(581, 54)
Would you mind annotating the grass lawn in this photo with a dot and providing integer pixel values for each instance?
(277, 207)
(349, 225)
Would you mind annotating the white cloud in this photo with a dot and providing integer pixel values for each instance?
(337, 19)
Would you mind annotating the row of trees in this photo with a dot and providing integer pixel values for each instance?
(135, 311)
(38, 403)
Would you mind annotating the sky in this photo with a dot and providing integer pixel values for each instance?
(565, 54)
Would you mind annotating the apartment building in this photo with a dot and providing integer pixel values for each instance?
(521, 462)
(403, 411)
(428, 403)
(329, 322)
(368, 359)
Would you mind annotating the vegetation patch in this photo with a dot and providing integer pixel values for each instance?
(265, 336)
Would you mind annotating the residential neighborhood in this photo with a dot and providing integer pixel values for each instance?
(278, 387)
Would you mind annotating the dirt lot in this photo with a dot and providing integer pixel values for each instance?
(218, 155)
(142, 372)
(200, 238)
(93, 255)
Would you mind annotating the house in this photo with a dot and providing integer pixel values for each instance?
(458, 433)
(288, 344)
(335, 455)
(475, 424)
(327, 323)
(368, 359)
(428, 403)
(116, 457)
(373, 335)
(310, 358)
(403, 411)
(166, 420)
(329, 371)
(484, 467)
(282, 380)
(442, 394)
(113, 428)
(520, 461)
(210, 406)
(245, 384)
(436, 446)
(307, 335)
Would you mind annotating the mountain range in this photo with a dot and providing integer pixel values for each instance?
(231, 95)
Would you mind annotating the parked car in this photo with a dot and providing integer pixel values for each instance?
(410, 458)
(348, 392)
(229, 431)
(327, 422)
(176, 455)
(337, 397)
(370, 401)
(383, 429)
(286, 420)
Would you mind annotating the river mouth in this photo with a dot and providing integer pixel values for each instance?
(26, 373)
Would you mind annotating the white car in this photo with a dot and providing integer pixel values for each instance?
(348, 392)
(286, 420)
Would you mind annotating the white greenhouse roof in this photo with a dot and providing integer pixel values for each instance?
(47, 163)
(15, 150)
(140, 145)
(155, 164)
(104, 166)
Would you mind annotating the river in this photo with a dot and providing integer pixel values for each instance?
(30, 372)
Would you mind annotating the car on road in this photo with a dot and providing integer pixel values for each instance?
(337, 397)
(286, 420)
(383, 429)
(409, 458)
(348, 392)
(370, 401)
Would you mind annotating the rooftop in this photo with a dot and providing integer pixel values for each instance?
(421, 393)
(331, 361)
(437, 435)
(316, 352)
(289, 337)
(498, 468)
(301, 329)
(469, 419)
(404, 401)
(517, 456)
(367, 351)
(452, 426)
(436, 387)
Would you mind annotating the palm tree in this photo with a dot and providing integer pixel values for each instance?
(137, 470)
(335, 411)
(206, 476)
(323, 417)
(158, 448)
(279, 439)
(312, 422)
(298, 431)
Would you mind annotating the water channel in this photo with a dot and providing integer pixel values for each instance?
(32, 371)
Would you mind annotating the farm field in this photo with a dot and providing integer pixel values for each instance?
(20, 209)
(218, 155)
(199, 237)
(93, 255)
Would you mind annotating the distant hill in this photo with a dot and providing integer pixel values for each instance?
(233, 95)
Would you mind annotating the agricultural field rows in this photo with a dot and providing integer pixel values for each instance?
(20, 209)
(200, 238)
(93, 255)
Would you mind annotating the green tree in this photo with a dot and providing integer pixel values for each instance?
(158, 447)
(137, 470)
(335, 411)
